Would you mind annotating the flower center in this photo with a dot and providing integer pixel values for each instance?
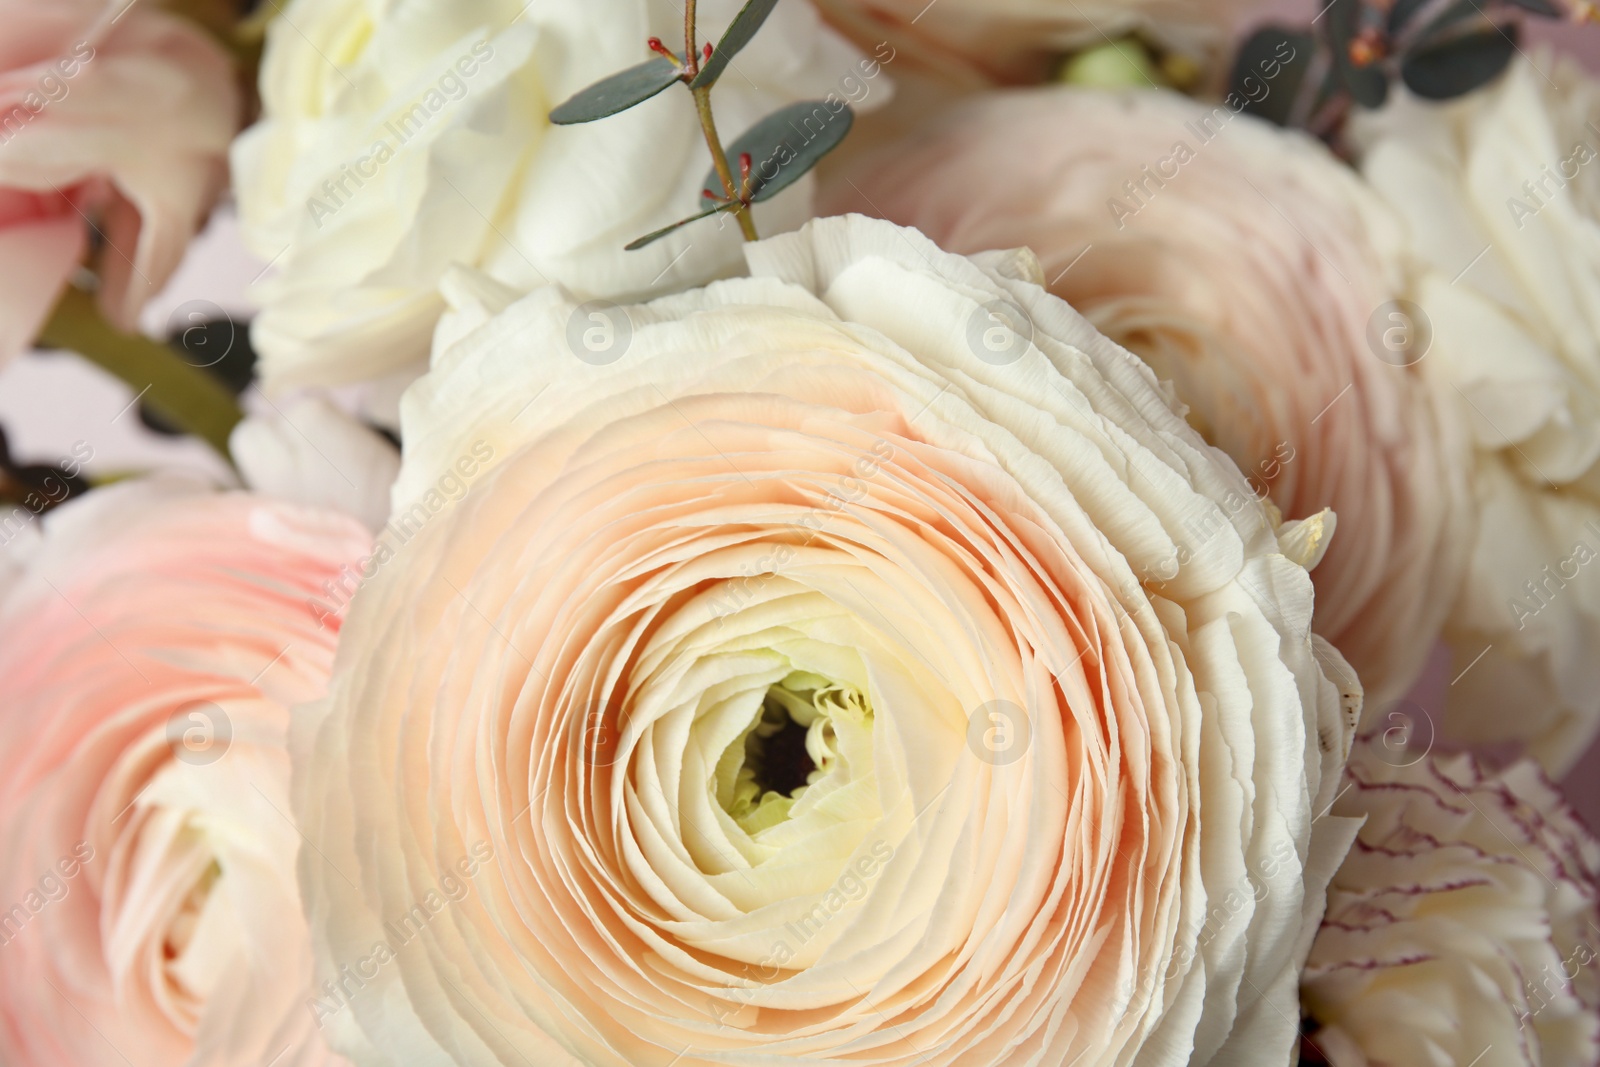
(792, 743)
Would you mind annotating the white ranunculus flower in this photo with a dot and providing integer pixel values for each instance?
(786, 685)
(1502, 193)
(400, 137)
(1462, 927)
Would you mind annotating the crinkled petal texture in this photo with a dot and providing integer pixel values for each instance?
(116, 115)
(1464, 927)
(1244, 264)
(399, 138)
(1017, 41)
(1502, 196)
(150, 647)
(794, 669)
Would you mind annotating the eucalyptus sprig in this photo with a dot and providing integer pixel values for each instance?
(1356, 49)
(771, 155)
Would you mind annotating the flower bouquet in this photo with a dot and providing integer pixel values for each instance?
(866, 532)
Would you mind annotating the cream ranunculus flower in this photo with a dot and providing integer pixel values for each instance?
(1464, 927)
(788, 683)
(399, 138)
(1246, 265)
(1501, 191)
(151, 645)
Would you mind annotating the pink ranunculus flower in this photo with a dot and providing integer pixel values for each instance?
(1464, 927)
(114, 116)
(1246, 265)
(783, 689)
(151, 645)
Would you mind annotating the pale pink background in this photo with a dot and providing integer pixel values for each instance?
(49, 403)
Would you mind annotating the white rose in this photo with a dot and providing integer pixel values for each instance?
(1502, 193)
(400, 138)
(1462, 927)
(783, 689)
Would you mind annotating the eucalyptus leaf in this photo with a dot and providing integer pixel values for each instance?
(1402, 12)
(1448, 19)
(785, 145)
(740, 31)
(656, 235)
(1458, 66)
(1368, 85)
(617, 93)
(1269, 71)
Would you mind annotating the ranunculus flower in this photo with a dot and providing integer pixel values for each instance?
(114, 116)
(787, 685)
(1016, 41)
(150, 649)
(401, 138)
(1464, 927)
(1501, 191)
(1247, 266)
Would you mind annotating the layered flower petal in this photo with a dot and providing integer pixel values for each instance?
(399, 139)
(1256, 273)
(150, 647)
(1464, 927)
(787, 684)
(1501, 194)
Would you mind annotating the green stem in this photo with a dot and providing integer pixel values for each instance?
(184, 395)
(708, 126)
(691, 48)
(719, 159)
